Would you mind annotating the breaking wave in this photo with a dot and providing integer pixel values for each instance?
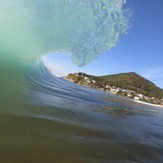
(44, 118)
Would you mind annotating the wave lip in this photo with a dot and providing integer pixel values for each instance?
(83, 30)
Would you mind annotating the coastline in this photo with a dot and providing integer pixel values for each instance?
(161, 106)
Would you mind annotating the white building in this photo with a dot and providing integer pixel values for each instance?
(86, 78)
(93, 81)
(136, 98)
(140, 95)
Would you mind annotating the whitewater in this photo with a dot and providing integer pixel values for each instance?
(44, 118)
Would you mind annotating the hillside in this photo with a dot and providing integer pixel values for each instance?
(135, 82)
(129, 81)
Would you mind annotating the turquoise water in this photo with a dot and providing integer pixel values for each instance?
(30, 29)
(47, 119)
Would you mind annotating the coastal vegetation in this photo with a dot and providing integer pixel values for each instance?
(129, 85)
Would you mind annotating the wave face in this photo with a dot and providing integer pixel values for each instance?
(60, 121)
(48, 119)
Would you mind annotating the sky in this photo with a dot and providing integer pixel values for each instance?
(140, 50)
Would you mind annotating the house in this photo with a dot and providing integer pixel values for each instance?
(86, 78)
(106, 86)
(140, 95)
(88, 81)
(93, 81)
(136, 98)
(129, 95)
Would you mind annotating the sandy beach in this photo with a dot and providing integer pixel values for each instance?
(161, 106)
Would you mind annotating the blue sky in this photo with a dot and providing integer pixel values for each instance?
(141, 50)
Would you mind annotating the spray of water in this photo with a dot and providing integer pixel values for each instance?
(83, 29)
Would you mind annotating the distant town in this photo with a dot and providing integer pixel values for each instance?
(84, 80)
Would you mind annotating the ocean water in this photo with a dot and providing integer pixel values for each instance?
(54, 120)
(44, 118)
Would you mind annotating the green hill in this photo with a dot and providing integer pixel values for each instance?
(134, 82)
(130, 81)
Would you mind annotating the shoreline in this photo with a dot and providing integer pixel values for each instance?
(94, 82)
(161, 106)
